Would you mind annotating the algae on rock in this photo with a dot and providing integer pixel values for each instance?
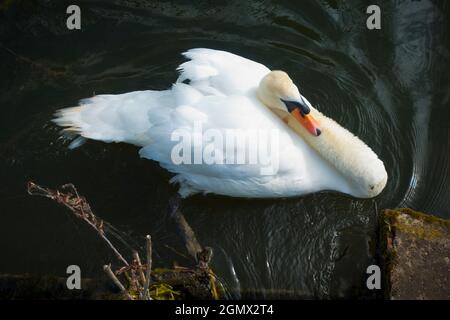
(416, 254)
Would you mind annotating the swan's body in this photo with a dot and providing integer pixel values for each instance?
(226, 92)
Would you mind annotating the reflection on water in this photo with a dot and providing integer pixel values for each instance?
(388, 86)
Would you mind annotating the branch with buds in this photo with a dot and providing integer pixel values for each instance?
(80, 208)
(137, 274)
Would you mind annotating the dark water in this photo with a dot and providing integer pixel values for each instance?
(389, 86)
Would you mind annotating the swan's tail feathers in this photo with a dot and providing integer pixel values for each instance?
(69, 119)
(109, 118)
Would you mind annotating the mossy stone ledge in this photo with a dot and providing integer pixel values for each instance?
(415, 249)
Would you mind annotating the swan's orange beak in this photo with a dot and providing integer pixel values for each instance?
(300, 110)
(307, 121)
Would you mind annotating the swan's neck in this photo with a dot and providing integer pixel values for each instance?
(352, 157)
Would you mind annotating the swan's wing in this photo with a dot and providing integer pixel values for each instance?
(128, 117)
(223, 120)
(156, 121)
(216, 72)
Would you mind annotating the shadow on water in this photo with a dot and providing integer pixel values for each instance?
(388, 86)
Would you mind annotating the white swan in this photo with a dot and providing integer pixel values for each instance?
(225, 91)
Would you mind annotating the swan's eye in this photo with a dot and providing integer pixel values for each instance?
(371, 187)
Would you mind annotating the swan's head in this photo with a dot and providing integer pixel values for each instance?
(277, 91)
(360, 166)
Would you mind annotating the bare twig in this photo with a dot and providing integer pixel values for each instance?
(138, 275)
(139, 267)
(149, 267)
(78, 206)
(134, 283)
(112, 276)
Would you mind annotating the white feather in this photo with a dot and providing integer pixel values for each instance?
(221, 95)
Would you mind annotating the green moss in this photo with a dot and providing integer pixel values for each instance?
(425, 217)
(390, 223)
(431, 228)
(163, 291)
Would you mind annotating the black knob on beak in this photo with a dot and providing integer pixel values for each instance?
(300, 104)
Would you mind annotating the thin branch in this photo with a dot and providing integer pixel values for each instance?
(138, 279)
(112, 276)
(139, 266)
(149, 267)
(78, 206)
